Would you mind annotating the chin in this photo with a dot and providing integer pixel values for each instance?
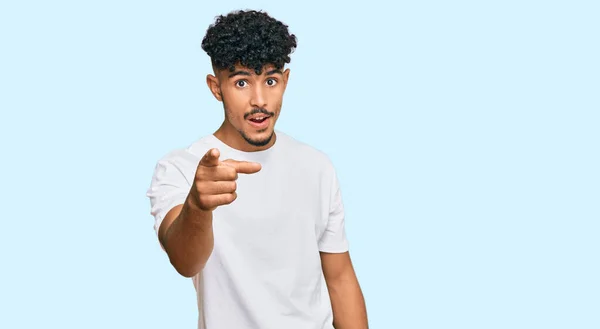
(258, 138)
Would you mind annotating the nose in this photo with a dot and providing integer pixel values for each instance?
(258, 98)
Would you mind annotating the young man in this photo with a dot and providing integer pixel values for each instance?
(253, 215)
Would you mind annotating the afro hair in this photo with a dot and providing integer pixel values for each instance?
(251, 39)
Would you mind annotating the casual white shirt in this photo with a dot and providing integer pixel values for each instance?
(265, 270)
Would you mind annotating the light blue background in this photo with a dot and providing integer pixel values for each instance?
(465, 133)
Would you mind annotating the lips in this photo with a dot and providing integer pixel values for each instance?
(259, 118)
(259, 121)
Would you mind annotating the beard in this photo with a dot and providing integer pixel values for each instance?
(257, 142)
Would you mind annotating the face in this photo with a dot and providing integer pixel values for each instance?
(252, 102)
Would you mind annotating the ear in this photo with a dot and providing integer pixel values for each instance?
(286, 76)
(213, 85)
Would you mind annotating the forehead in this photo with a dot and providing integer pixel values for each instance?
(238, 68)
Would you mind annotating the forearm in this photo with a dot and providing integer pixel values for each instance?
(347, 300)
(189, 240)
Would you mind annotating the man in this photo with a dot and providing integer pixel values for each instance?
(254, 216)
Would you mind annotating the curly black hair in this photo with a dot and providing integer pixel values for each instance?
(250, 38)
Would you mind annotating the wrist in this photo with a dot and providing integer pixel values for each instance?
(192, 209)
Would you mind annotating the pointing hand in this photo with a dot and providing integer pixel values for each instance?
(215, 181)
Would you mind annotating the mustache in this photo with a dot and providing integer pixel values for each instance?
(257, 111)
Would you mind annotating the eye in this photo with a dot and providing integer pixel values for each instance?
(241, 83)
(271, 82)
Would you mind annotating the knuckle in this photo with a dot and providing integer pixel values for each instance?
(200, 174)
(203, 200)
(232, 174)
(200, 187)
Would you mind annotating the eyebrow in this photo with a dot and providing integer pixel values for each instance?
(239, 73)
(245, 73)
(274, 71)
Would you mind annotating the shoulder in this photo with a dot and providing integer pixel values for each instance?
(184, 159)
(306, 154)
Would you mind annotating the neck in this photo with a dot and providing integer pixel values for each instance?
(230, 136)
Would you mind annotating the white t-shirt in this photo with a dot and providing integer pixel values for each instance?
(265, 270)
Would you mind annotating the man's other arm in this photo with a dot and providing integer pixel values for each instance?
(347, 301)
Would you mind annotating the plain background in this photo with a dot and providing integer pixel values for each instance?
(465, 133)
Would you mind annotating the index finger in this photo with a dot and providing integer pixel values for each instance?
(211, 158)
(243, 167)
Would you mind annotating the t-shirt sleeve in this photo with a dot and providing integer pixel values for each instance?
(334, 238)
(169, 187)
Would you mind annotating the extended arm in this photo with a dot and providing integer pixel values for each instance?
(186, 232)
(186, 235)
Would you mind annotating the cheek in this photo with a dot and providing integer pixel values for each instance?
(234, 106)
(278, 106)
(234, 117)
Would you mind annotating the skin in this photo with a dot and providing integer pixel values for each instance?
(242, 91)
(186, 231)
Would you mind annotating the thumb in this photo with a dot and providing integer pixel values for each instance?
(243, 167)
(211, 158)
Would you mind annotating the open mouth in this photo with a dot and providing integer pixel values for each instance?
(259, 119)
